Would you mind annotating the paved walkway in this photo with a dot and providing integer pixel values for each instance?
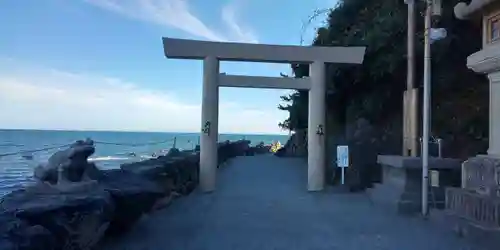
(261, 203)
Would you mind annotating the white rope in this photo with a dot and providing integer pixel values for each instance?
(11, 145)
(96, 142)
(132, 144)
(33, 150)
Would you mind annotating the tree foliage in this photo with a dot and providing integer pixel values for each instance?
(297, 110)
(374, 89)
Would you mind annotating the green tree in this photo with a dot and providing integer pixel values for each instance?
(374, 89)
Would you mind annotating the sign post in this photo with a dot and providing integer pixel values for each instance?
(343, 159)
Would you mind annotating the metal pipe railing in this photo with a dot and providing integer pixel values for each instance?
(434, 140)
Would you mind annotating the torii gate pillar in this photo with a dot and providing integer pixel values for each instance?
(210, 126)
(213, 52)
(315, 130)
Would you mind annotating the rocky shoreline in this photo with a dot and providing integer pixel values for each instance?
(41, 217)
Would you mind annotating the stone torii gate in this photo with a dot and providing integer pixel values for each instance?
(213, 52)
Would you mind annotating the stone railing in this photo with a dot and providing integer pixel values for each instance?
(476, 208)
(481, 174)
(476, 205)
(46, 216)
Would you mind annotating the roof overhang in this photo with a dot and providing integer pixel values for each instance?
(465, 11)
(228, 51)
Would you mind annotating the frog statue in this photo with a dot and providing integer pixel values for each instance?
(68, 166)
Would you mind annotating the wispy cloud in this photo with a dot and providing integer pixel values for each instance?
(178, 14)
(229, 13)
(44, 98)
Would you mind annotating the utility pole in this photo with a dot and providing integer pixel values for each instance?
(426, 107)
(410, 131)
(410, 79)
(433, 7)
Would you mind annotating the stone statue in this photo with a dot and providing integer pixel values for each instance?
(68, 166)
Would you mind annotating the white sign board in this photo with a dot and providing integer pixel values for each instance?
(434, 178)
(436, 7)
(343, 156)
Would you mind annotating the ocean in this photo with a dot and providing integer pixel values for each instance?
(112, 149)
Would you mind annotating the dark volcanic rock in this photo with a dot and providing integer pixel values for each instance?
(73, 161)
(228, 149)
(296, 146)
(281, 152)
(16, 234)
(77, 217)
(186, 173)
(132, 195)
(259, 149)
(174, 152)
(173, 174)
(180, 173)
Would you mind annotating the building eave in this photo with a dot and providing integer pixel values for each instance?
(485, 61)
(466, 11)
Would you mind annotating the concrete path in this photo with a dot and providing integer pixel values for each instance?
(261, 203)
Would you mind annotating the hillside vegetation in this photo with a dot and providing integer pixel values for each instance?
(374, 90)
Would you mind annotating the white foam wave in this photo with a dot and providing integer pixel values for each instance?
(108, 158)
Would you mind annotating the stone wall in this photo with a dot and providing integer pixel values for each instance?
(43, 217)
(365, 142)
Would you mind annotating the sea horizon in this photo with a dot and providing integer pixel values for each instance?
(136, 131)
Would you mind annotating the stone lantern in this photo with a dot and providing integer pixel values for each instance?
(485, 61)
(478, 201)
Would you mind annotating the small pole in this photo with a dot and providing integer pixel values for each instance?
(426, 104)
(343, 175)
(440, 152)
(175, 142)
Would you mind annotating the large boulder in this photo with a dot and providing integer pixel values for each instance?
(132, 196)
(69, 164)
(238, 148)
(260, 148)
(150, 168)
(16, 234)
(184, 173)
(179, 174)
(223, 151)
(174, 152)
(76, 216)
(171, 173)
(281, 152)
(227, 149)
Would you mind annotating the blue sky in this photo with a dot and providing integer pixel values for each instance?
(99, 64)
